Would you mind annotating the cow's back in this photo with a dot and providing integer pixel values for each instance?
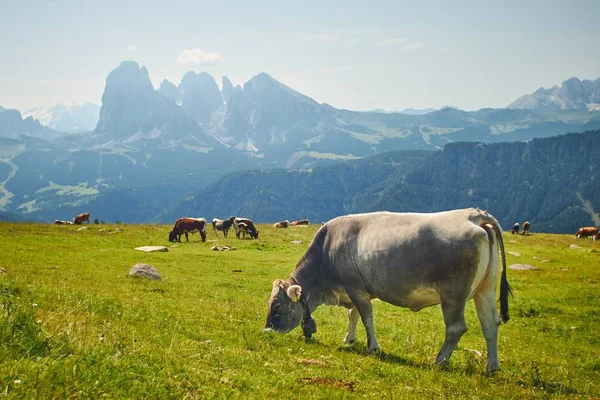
(390, 255)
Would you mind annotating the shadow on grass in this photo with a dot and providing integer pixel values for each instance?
(385, 357)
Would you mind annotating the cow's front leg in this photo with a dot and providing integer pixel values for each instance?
(362, 302)
(186, 237)
(353, 319)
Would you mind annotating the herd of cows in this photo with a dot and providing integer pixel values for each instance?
(241, 226)
(389, 256)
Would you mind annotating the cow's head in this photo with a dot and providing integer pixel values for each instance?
(285, 310)
(254, 233)
(172, 236)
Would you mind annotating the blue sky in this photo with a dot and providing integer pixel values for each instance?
(354, 55)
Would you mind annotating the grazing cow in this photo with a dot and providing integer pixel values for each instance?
(81, 217)
(526, 226)
(188, 225)
(222, 225)
(597, 236)
(515, 228)
(59, 222)
(250, 225)
(410, 260)
(243, 230)
(300, 222)
(281, 224)
(586, 231)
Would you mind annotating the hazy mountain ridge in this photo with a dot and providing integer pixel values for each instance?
(146, 138)
(67, 118)
(573, 94)
(543, 181)
(13, 125)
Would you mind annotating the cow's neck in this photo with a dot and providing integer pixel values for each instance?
(311, 276)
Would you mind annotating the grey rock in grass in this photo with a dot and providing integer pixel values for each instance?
(522, 267)
(83, 228)
(514, 253)
(296, 242)
(574, 246)
(150, 249)
(144, 271)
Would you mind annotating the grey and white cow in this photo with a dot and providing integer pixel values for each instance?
(410, 260)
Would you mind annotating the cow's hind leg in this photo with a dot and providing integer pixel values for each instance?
(454, 319)
(353, 319)
(362, 302)
(488, 318)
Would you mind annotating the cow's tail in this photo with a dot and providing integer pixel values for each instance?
(505, 289)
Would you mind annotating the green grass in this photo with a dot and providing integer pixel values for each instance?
(73, 325)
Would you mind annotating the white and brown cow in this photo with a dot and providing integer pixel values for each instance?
(188, 225)
(407, 259)
(586, 231)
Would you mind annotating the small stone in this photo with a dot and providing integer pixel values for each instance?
(296, 241)
(522, 267)
(83, 228)
(144, 271)
(514, 253)
(574, 246)
(150, 249)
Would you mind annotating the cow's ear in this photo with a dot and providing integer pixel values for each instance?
(294, 292)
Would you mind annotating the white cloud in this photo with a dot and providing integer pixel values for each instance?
(332, 35)
(130, 49)
(198, 57)
(413, 46)
(404, 44)
(390, 42)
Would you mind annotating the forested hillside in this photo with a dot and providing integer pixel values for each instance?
(551, 182)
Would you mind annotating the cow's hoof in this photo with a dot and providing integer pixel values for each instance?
(442, 363)
(349, 342)
(374, 351)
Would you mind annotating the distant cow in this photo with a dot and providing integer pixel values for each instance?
(515, 228)
(59, 222)
(188, 225)
(250, 226)
(526, 226)
(282, 224)
(243, 230)
(222, 225)
(81, 217)
(597, 236)
(301, 222)
(586, 231)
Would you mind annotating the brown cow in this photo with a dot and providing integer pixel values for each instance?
(300, 222)
(281, 224)
(250, 225)
(222, 225)
(515, 228)
(586, 231)
(526, 226)
(81, 217)
(188, 225)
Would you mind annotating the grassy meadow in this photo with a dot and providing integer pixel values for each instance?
(73, 325)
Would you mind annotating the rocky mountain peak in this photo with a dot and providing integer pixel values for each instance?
(573, 94)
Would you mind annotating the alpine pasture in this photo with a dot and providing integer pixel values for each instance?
(73, 325)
